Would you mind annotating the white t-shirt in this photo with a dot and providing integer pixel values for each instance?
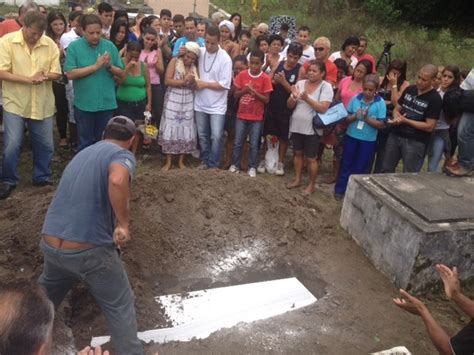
(468, 83)
(67, 38)
(302, 117)
(337, 55)
(308, 54)
(215, 67)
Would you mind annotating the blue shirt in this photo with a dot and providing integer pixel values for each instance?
(376, 110)
(94, 92)
(81, 210)
(183, 40)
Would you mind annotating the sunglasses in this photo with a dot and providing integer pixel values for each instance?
(319, 49)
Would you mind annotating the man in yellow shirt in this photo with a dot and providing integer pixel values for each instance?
(29, 61)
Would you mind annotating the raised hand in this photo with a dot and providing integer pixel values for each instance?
(409, 303)
(450, 278)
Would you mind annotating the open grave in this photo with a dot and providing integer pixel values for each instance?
(199, 230)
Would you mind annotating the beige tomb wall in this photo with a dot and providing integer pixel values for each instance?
(183, 7)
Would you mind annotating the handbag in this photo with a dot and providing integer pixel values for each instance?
(335, 114)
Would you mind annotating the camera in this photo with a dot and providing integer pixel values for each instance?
(387, 45)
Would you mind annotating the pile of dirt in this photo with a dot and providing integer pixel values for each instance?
(195, 229)
(190, 230)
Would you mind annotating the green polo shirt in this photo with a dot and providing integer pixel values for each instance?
(95, 92)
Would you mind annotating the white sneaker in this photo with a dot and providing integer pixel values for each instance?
(252, 172)
(279, 170)
(233, 169)
(261, 167)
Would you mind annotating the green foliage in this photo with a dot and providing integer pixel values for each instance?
(384, 10)
(338, 19)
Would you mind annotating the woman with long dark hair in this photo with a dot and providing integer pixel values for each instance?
(123, 15)
(392, 85)
(56, 27)
(119, 35)
(440, 143)
(236, 19)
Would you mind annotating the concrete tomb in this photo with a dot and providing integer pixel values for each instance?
(407, 223)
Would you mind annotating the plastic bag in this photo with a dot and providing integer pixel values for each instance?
(271, 157)
(148, 129)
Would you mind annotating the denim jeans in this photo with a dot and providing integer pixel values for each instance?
(437, 148)
(70, 101)
(102, 270)
(466, 140)
(411, 152)
(41, 134)
(91, 125)
(242, 129)
(210, 129)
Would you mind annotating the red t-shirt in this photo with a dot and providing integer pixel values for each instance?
(251, 108)
(331, 70)
(9, 26)
(370, 58)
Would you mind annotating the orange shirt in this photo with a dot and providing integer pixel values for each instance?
(8, 26)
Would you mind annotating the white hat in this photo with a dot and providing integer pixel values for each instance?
(229, 25)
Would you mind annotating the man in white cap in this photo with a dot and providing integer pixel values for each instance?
(86, 222)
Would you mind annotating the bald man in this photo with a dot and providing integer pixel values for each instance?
(414, 118)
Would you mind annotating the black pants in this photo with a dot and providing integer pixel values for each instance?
(157, 97)
(62, 109)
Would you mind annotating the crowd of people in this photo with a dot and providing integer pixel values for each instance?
(206, 84)
(213, 83)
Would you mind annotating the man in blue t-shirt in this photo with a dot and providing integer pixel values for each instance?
(86, 222)
(190, 35)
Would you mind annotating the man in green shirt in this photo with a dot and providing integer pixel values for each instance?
(92, 62)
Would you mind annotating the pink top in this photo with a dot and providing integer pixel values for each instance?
(346, 93)
(149, 60)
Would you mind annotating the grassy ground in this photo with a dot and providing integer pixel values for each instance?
(415, 44)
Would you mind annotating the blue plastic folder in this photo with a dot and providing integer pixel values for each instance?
(332, 116)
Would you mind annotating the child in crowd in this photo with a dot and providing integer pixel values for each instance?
(277, 122)
(367, 113)
(153, 59)
(240, 64)
(253, 89)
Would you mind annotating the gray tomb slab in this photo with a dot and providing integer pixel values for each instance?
(407, 223)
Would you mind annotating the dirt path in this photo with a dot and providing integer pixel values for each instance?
(199, 229)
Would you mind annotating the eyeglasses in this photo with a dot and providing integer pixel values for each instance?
(319, 49)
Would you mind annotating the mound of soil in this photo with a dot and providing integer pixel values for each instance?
(196, 229)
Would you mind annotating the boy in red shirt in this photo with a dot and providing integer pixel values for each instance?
(253, 88)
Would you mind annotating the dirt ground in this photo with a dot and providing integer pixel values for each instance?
(195, 229)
